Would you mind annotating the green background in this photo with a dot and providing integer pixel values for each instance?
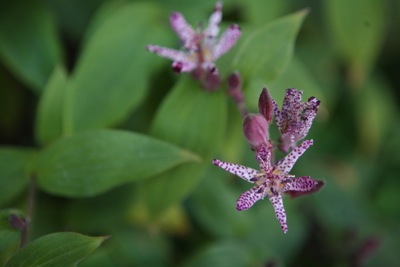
(120, 146)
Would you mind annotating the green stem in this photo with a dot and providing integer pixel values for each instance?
(31, 201)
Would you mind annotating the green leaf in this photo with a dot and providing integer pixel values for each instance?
(213, 205)
(222, 253)
(93, 162)
(161, 192)
(192, 118)
(265, 52)
(114, 71)
(28, 41)
(14, 174)
(295, 76)
(50, 110)
(196, 120)
(357, 28)
(58, 249)
(259, 12)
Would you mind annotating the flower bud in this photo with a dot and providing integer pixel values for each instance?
(17, 222)
(265, 105)
(255, 129)
(235, 87)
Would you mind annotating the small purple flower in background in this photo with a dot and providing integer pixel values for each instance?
(200, 47)
(271, 181)
(295, 119)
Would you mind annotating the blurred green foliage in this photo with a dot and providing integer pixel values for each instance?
(71, 70)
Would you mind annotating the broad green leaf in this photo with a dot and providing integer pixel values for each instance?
(161, 192)
(73, 16)
(93, 162)
(265, 52)
(49, 114)
(195, 12)
(213, 205)
(357, 29)
(130, 246)
(28, 41)
(100, 213)
(295, 76)
(196, 120)
(14, 174)
(58, 249)
(222, 253)
(192, 118)
(259, 12)
(114, 70)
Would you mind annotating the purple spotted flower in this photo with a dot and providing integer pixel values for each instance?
(295, 119)
(200, 48)
(271, 181)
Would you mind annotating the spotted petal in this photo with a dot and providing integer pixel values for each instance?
(182, 62)
(307, 118)
(228, 39)
(292, 105)
(278, 115)
(183, 29)
(248, 198)
(303, 184)
(213, 23)
(286, 164)
(243, 172)
(263, 157)
(280, 213)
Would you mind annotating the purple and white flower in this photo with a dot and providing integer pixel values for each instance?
(200, 48)
(295, 119)
(271, 181)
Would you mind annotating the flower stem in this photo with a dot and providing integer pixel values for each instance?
(31, 202)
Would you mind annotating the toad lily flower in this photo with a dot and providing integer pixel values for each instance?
(271, 181)
(200, 47)
(295, 119)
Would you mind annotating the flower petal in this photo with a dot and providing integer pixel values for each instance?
(280, 213)
(182, 29)
(307, 118)
(169, 53)
(183, 66)
(213, 23)
(263, 157)
(305, 183)
(228, 39)
(316, 188)
(292, 106)
(243, 172)
(278, 115)
(182, 62)
(286, 164)
(248, 198)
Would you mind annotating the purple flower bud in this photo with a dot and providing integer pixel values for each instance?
(17, 222)
(255, 129)
(234, 82)
(235, 87)
(265, 105)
